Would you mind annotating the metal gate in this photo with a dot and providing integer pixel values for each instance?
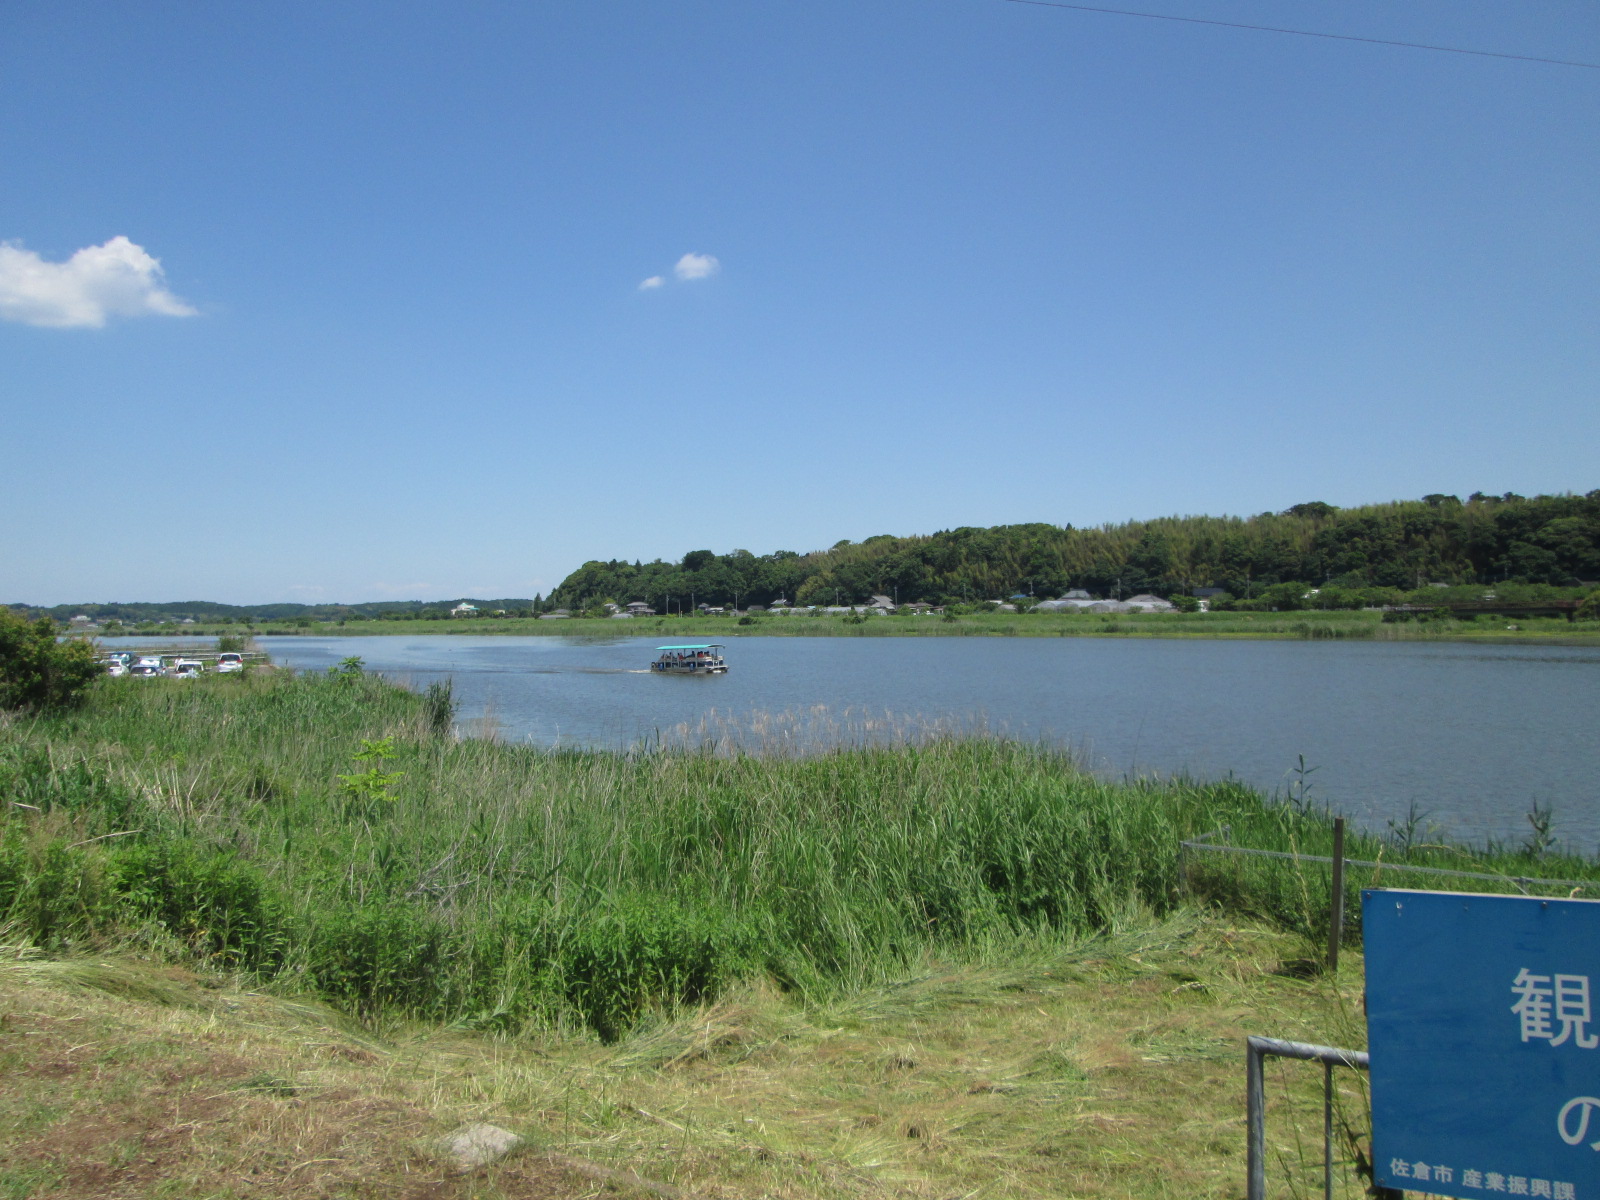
(1257, 1051)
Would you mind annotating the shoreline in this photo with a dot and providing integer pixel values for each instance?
(1222, 626)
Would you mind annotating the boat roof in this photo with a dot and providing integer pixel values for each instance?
(697, 646)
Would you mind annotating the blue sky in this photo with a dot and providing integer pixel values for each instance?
(376, 328)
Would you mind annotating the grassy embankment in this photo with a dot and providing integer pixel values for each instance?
(925, 968)
(1312, 625)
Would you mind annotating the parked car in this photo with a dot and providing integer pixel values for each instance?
(187, 668)
(228, 661)
(116, 667)
(147, 667)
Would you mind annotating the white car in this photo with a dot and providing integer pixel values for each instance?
(116, 667)
(228, 662)
(146, 667)
(187, 668)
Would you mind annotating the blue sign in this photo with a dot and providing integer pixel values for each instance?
(1484, 1036)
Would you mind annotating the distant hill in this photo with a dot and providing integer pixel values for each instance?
(211, 612)
(1405, 544)
(1366, 554)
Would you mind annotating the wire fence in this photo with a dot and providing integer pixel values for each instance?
(1205, 844)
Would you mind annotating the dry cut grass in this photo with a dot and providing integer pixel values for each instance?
(1110, 1068)
(123, 1079)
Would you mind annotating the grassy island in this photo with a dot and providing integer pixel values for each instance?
(300, 918)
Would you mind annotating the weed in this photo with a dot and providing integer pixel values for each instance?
(439, 707)
(1539, 841)
(364, 789)
(1403, 833)
(1300, 787)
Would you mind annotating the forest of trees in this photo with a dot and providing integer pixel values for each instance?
(1357, 556)
(1551, 540)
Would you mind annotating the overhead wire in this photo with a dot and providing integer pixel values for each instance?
(1338, 37)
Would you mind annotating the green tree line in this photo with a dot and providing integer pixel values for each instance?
(1539, 540)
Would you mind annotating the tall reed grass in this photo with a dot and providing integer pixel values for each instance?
(508, 887)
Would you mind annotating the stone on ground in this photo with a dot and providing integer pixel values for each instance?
(477, 1145)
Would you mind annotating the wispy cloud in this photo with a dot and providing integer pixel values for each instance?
(686, 270)
(696, 266)
(118, 279)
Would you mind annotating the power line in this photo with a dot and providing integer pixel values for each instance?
(1338, 37)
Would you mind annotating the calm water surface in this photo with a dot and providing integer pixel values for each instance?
(1469, 735)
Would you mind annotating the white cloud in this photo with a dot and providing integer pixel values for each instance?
(118, 279)
(696, 266)
(654, 281)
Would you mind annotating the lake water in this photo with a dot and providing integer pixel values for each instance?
(1470, 736)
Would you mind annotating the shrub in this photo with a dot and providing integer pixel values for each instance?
(379, 955)
(219, 905)
(50, 891)
(640, 952)
(36, 671)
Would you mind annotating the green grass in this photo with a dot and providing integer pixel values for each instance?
(1312, 625)
(512, 888)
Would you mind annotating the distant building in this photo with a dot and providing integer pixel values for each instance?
(464, 610)
(1079, 600)
(1076, 600)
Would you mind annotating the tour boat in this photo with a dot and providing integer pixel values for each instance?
(690, 660)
